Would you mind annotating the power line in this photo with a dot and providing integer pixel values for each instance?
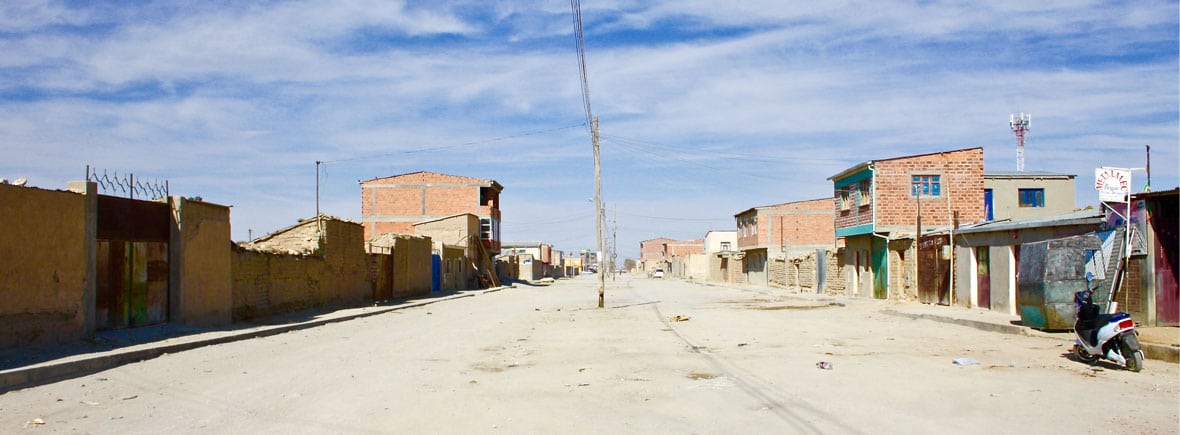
(666, 218)
(444, 147)
(727, 154)
(576, 6)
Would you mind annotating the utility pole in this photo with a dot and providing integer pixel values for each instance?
(918, 232)
(598, 213)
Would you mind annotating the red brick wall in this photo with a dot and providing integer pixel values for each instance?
(449, 200)
(422, 195)
(961, 174)
(685, 247)
(393, 201)
(795, 223)
(853, 216)
(653, 249)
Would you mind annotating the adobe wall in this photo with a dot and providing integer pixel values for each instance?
(44, 267)
(903, 266)
(507, 268)
(200, 263)
(456, 230)
(411, 266)
(273, 283)
(799, 271)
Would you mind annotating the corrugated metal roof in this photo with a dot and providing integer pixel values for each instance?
(1026, 174)
(1083, 217)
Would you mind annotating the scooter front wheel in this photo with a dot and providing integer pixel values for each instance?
(1084, 356)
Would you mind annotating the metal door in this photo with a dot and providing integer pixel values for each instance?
(131, 260)
(132, 289)
(983, 267)
(880, 267)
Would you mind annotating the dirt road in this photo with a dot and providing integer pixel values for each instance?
(663, 357)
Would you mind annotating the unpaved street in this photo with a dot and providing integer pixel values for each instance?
(664, 357)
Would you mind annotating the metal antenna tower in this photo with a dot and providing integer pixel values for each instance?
(1019, 124)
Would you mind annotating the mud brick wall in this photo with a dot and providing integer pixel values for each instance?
(42, 265)
(267, 284)
(778, 273)
(800, 272)
(836, 283)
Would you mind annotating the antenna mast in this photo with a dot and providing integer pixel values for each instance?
(1019, 124)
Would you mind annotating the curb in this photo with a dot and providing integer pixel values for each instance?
(980, 325)
(1153, 351)
(44, 373)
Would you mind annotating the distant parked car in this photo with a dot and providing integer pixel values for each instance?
(658, 273)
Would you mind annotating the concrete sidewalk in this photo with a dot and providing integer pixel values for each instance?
(38, 365)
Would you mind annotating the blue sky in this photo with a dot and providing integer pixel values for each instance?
(707, 108)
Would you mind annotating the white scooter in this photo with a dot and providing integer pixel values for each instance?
(1111, 336)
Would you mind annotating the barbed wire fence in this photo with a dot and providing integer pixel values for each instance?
(114, 184)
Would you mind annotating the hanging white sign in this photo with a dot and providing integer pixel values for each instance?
(1112, 184)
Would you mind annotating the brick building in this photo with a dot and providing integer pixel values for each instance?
(774, 231)
(879, 205)
(394, 204)
(653, 254)
(678, 253)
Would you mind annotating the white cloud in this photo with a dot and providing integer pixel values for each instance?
(235, 103)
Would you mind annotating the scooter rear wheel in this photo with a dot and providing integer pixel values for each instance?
(1134, 359)
(1084, 356)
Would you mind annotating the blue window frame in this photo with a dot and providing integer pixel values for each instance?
(1032, 197)
(926, 185)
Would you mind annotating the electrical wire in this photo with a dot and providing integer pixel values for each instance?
(445, 147)
(726, 154)
(580, 41)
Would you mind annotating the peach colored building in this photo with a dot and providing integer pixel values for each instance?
(773, 231)
(394, 204)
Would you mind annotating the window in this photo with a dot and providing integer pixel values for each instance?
(1032, 197)
(864, 191)
(489, 229)
(926, 185)
(487, 196)
(724, 246)
(845, 200)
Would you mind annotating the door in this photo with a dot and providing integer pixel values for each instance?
(880, 254)
(435, 272)
(1165, 218)
(983, 269)
(934, 270)
(132, 285)
(131, 262)
(987, 204)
